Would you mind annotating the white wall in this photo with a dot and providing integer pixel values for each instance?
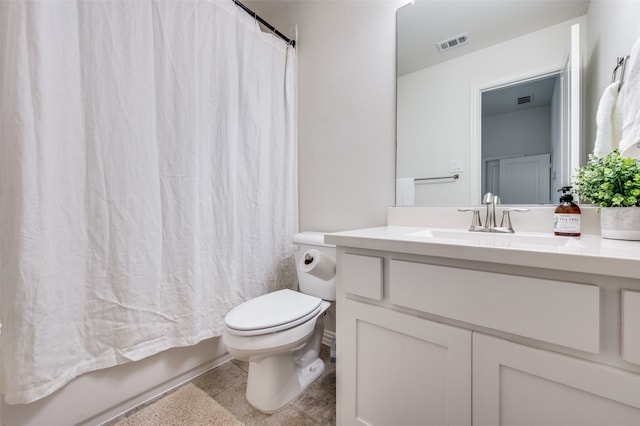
(446, 123)
(613, 28)
(516, 133)
(346, 108)
(346, 72)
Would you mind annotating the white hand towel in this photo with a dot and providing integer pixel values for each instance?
(630, 143)
(608, 121)
(405, 192)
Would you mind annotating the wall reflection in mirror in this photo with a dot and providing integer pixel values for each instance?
(483, 92)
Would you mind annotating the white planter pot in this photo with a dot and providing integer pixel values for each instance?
(620, 223)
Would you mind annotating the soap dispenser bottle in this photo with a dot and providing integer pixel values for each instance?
(566, 218)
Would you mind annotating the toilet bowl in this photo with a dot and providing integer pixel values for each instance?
(280, 333)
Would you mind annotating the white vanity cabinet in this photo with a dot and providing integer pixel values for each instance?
(429, 340)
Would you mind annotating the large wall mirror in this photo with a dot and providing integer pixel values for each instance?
(484, 100)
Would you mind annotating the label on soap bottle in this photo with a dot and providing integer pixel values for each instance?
(566, 223)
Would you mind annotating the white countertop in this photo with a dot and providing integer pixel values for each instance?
(587, 254)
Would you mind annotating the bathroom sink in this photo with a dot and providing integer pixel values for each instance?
(494, 239)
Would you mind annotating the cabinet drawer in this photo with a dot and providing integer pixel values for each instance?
(631, 326)
(558, 312)
(361, 275)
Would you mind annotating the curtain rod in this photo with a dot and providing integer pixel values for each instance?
(266, 24)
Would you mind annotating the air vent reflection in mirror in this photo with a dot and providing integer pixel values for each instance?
(452, 42)
(525, 99)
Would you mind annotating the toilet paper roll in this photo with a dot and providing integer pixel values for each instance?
(318, 264)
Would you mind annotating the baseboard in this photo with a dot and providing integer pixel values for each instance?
(157, 392)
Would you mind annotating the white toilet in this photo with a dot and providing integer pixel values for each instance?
(280, 333)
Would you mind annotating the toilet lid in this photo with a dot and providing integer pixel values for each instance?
(272, 312)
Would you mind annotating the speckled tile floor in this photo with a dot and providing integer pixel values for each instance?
(227, 384)
(316, 406)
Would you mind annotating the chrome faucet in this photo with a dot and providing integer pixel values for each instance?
(490, 201)
(490, 225)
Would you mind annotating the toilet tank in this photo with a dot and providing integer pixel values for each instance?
(309, 284)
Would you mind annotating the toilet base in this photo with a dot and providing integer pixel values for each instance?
(277, 380)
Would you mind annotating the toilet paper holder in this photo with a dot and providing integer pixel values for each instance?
(318, 264)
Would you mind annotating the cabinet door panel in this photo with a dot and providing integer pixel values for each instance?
(518, 385)
(399, 369)
(631, 326)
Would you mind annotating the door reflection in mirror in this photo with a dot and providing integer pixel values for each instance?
(521, 134)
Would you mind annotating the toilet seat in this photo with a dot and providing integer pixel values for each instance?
(272, 312)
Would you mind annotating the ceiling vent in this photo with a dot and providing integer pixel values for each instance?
(452, 42)
(525, 99)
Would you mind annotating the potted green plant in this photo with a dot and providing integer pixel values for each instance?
(612, 183)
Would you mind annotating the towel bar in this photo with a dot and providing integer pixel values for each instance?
(621, 62)
(454, 177)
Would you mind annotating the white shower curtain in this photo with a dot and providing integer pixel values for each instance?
(148, 180)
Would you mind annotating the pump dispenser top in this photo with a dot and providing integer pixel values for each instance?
(567, 195)
(566, 218)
